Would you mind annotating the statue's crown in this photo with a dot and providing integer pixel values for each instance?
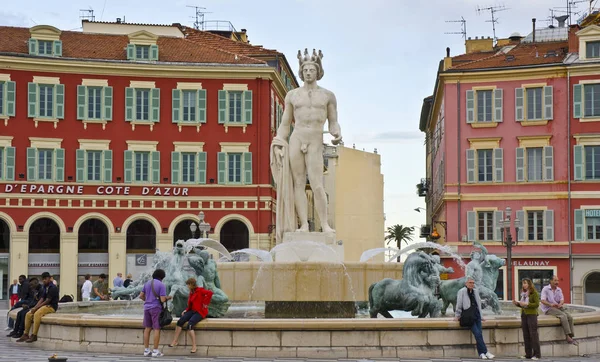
(308, 58)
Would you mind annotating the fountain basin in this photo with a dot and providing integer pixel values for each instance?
(317, 338)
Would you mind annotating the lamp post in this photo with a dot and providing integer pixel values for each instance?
(508, 242)
(203, 226)
(193, 229)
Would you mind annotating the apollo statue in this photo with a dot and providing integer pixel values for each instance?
(307, 108)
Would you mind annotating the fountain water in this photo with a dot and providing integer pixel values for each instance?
(371, 253)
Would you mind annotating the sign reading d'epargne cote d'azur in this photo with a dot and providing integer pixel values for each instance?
(99, 190)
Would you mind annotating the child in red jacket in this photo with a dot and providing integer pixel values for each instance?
(196, 311)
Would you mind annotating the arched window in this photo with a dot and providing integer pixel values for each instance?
(44, 236)
(141, 237)
(592, 289)
(4, 237)
(235, 235)
(183, 232)
(93, 237)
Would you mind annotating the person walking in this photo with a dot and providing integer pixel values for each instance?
(13, 293)
(47, 304)
(529, 304)
(553, 302)
(154, 295)
(86, 288)
(467, 298)
(197, 310)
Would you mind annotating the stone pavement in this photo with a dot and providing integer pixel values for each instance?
(17, 352)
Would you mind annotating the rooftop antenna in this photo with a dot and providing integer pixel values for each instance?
(199, 16)
(463, 27)
(87, 14)
(571, 5)
(494, 20)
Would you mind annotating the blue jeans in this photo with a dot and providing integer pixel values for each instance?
(476, 330)
(10, 322)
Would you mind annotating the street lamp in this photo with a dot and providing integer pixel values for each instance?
(203, 226)
(508, 242)
(193, 229)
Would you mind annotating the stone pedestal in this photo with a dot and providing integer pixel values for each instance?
(297, 251)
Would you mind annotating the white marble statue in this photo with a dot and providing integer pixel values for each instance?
(307, 108)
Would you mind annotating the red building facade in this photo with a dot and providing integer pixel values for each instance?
(111, 144)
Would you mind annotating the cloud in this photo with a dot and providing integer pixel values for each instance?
(13, 19)
(392, 136)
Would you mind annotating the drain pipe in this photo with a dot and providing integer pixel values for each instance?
(569, 213)
(459, 157)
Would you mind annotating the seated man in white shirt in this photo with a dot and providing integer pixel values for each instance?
(553, 301)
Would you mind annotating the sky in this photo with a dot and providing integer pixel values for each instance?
(380, 58)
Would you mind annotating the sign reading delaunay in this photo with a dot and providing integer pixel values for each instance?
(99, 190)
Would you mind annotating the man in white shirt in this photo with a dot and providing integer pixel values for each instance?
(86, 289)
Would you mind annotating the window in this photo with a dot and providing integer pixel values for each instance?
(535, 225)
(534, 103)
(46, 100)
(485, 225)
(540, 278)
(189, 106)
(45, 47)
(45, 164)
(534, 164)
(592, 225)
(234, 167)
(2, 97)
(592, 162)
(591, 100)
(7, 98)
(592, 49)
(1, 163)
(235, 107)
(188, 167)
(94, 165)
(142, 166)
(484, 165)
(142, 52)
(94, 102)
(142, 104)
(484, 106)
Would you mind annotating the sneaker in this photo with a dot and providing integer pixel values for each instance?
(157, 354)
(489, 355)
(7, 329)
(148, 353)
(534, 358)
(483, 356)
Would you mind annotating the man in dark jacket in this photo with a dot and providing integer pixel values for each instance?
(24, 296)
(34, 294)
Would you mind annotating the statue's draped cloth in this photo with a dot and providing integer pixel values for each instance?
(285, 218)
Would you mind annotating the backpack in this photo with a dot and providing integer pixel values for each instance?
(66, 299)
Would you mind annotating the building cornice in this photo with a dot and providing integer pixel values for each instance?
(496, 74)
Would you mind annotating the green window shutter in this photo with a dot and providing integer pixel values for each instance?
(10, 98)
(470, 106)
(520, 214)
(108, 103)
(548, 105)
(520, 155)
(498, 165)
(129, 103)
(10, 164)
(33, 46)
(577, 101)
(519, 102)
(201, 114)
(578, 164)
(81, 102)
(471, 226)
(221, 167)
(155, 167)
(201, 167)
(128, 169)
(154, 52)
(498, 215)
(57, 48)
(175, 167)
(222, 106)
(155, 117)
(176, 105)
(59, 105)
(247, 168)
(80, 174)
(32, 100)
(498, 105)
(31, 163)
(247, 99)
(579, 225)
(108, 162)
(130, 51)
(548, 163)
(470, 166)
(549, 225)
(59, 157)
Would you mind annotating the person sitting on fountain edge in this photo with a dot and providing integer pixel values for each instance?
(468, 297)
(47, 304)
(553, 302)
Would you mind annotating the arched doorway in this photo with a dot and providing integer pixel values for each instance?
(141, 246)
(592, 289)
(4, 250)
(92, 239)
(44, 248)
(182, 231)
(235, 236)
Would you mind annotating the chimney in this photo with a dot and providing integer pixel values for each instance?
(479, 45)
(573, 38)
(533, 21)
(561, 20)
(118, 20)
(447, 60)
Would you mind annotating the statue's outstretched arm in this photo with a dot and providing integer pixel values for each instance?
(286, 120)
(332, 115)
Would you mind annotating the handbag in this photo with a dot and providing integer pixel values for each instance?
(165, 318)
(467, 317)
